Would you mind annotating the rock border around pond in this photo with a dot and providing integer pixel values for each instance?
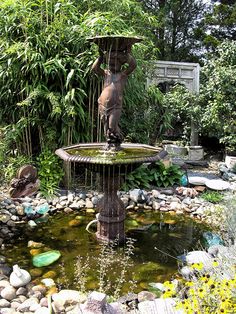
(30, 211)
(33, 210)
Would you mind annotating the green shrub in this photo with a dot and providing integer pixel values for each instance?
(139, 178)
(212, 196)
(164, 176)
(156, 174)
(49, 171)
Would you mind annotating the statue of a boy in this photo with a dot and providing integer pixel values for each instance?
(111, 98)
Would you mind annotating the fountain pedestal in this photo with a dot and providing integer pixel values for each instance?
(111, 211)
(111, 166)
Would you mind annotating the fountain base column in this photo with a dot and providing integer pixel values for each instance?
(111, 217)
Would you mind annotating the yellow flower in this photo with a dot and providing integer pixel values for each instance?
(197, 266)
(215, 263)
(189, 284)
(202, 293)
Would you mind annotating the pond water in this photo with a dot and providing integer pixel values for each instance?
(158, 239)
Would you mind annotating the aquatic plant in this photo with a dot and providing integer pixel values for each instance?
(111, 257)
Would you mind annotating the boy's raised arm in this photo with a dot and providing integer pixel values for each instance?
(96, 67)
(132, 65)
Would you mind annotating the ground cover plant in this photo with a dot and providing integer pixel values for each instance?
(212, 196)
(156, 174)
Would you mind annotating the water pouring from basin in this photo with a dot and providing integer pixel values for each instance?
(113, 158)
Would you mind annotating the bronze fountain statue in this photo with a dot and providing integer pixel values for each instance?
(114, 158)
(111, 98)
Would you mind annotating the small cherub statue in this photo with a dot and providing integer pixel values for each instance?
(111, 98)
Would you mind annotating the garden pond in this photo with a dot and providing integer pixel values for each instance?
(158, 238)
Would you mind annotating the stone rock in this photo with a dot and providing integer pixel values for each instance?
(4, 283)
(166, 305)
(63, 203)
(130, 207)
(69, 297)
(164, 209)
(19, 277)
(89, 204)
(11, 223)
(156, 205)
(162, 197)
(40, 288)
(211, 239)
(8, 293)
(35, 306)
(200, 211)
(50, 274)
(58, 306)
(94, 200)
(138, 196)
(90, 211)
(4, 303)
(187, 200)
(42, 208)
(125, 200)
(43, 310)
(199, 257)
(25, 306)
(4, 218)
(2, 259)
(21, 291)
(187, 272)
(8, 311)
(36, 272)
(74, 205)
(175, 206)
(74, 222)
(59, 206)
(35, 245)
(48, 282)
(146, 296)
(46, 258)
(167, 191)
(32, 224)
(157, 285)
(15, 304)
(70, 198)
(196, 180)
(222, 252)
(44, 302)
(5, 270)
(82, 196)
(68, 210)
(155, 193)
(218, 185)
(95, 304)
(14, 218)
(63, 198)
(81, 203)
(147, 207)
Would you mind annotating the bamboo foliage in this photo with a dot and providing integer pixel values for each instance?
(45, 60)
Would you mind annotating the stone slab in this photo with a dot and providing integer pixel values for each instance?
(218, 185)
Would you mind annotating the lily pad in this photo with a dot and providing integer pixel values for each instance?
(45, 259)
